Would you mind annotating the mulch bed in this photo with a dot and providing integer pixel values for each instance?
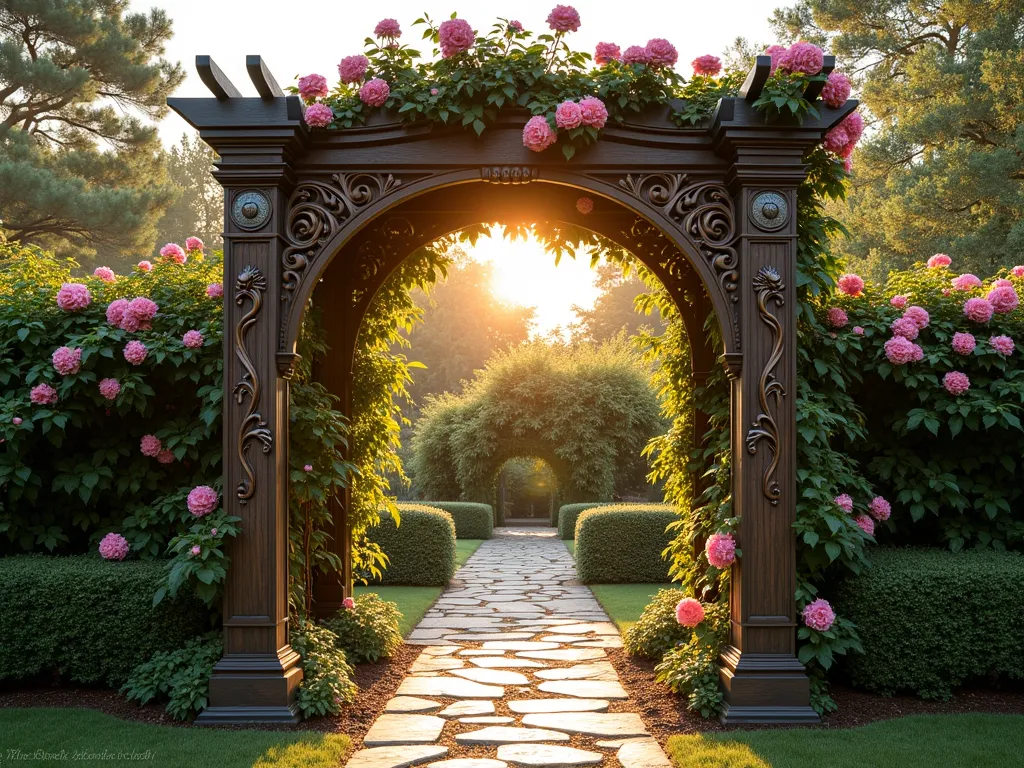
(666, 715)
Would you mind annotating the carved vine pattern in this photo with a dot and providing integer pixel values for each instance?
(250, 286)
(769, 287)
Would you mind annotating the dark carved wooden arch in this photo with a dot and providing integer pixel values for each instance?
(723, 195)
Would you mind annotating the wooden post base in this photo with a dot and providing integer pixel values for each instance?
(765, 688)
(254, 688)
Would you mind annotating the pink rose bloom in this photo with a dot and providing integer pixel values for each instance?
(707, 65)
(73, 296)
(318, 115)
(1002, 283)
(939, 260)
(564, 18)
(1018, 271)
(567, 115)
(165, 457)
(836, 90)
(898, 301)
(585, 205)
(905, 327)
(636, 54)
(16, 421)
(215, 290)
(388, 28)
(307, 468)
(956, 383)
(194, 244)
(963, 343)
(1002, 344)
(115, 311)
(804, 58)
(106, 274)
(213, 531)
(114, 546)
(661, 53)
(858, 330)
(537, 134)
(455, 36)
(192, 339)
(593, 112)
(919, 315)
(775, 51)
(67, 361)
(606, 52)
(978, 310)
(900, 351)
(434, 91)
(836, 140)
(866, 524)
(135, 352)
(352, 69)
(851, 285)
(689, 612)
(202, 500)
(880, 508)
(374, 92)
(844, 502)
(138, 314)
(150, 445)
(174, 252)
(196, 550)
(110, 388)
(515, 26)
(1003, 299)
(348, 604)
(721, 550)
(966, 282)
(43, 394)
(837, 318)
(145, 266)
(818, 615)
(313, 87)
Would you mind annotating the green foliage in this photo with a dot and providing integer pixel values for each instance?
(87, 620)
(77, 164)
(326, 674)
(657, 629)
(472, 520)
(614, 310)
(420, 546)
(181, 676)
(568, 514)
(369, 631)
(623, 543)
(931, 620)
(691, 667)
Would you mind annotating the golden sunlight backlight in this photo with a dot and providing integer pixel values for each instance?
(525, 274)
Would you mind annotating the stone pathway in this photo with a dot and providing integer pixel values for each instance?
(513, 673)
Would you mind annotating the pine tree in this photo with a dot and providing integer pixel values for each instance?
(199, 207)
(80, 164)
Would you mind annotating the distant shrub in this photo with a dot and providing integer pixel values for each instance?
(368, 632)
(622, 543)
(930, 620)
(472, 520)
(181, 676)
(657, 629)
(568, 514)
(420, 549)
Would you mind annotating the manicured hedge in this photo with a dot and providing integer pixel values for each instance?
(568, 514)
(421, 549)
(622, 543)
(88, 620)
(472, 520)
(929, 620)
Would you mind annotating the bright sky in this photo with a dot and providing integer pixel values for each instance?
(298, 37)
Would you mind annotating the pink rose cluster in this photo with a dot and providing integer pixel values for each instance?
(538, 135)
(202, 500)
(455, 36)
(72, 297)
(313, 87)
(956, 382)
(707, 65)
(193, 244)
(607, 52)
(1018, 271)
(1003, 299)
(919, 315)
(844, 502)
(374, 92)
(905, 327)
(898, 301)
(192, 339)
(134, 315)
(114, 546)
(836, 90)
(818, 615)
(978, 310)
(689, 612)
(318, 116)
(837, 317)
(775, 52)
(585, 205)
(842, 139)
(963, 343)
(1002, 344)
(966, 282)
(658, 52)
(215, 290)
(866, 524)
(720, 550)
(110, 388)
(135, 352)
(851, 285)
(43, 394)
(145, 266)
(67, 361)
(388, 29)
(106, 274)
(900, 351)
(352, 69)
(589, 111)
(801, 58)
(939, 261)
(174, 252)
(563, 18)
(880, 509)
(150, 445)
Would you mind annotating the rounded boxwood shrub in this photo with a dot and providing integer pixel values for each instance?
(657, 630)
(622, 543)
(929, 620)
(568, 514)
(420, 549)
(472, 520)
(368, 632)
(86, 619)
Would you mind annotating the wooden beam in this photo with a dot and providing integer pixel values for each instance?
(259, 73)
(756, 78)
(814, 89)
(214, 79)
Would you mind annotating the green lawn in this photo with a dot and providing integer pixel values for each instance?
(464, 548)
(571, 546)
(922, 741)
(79, 733)
(625, 602)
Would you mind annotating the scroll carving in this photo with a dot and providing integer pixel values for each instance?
(250, 286)
(769, 287)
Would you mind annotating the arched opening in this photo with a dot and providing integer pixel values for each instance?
(526, 491)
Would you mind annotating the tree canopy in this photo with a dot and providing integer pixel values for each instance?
(199, 206)
(614, 309)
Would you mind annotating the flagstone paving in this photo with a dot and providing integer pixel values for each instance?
(514, 672)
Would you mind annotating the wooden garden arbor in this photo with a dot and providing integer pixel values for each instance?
(710, 210)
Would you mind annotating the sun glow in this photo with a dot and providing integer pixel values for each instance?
(525, 274)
